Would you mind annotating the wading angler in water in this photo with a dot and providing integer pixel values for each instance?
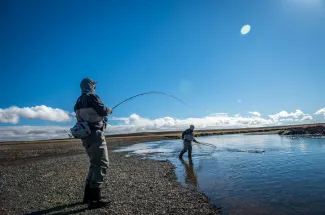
(91, 116)
(188, 137)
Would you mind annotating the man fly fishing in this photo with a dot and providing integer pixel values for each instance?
(91, 116)
(188, 137)
(90, 109)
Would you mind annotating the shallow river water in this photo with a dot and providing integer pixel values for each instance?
(250, 174)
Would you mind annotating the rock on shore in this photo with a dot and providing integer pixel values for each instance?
(317, 130)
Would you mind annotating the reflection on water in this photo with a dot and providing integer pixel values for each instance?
(251, 174)
(190, 175)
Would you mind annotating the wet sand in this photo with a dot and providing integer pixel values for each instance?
(48, 178)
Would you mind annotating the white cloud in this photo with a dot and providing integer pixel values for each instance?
(287, 120)
(245, 29)
(255, 113)
(239, 100)
(320, 111)
(306, 117)
(136, 123)
(18, 133)
(13, 114)
(298, 115)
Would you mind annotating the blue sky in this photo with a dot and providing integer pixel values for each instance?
(191, 49)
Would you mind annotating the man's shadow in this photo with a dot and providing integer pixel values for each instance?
(59, 208)
(190, 175)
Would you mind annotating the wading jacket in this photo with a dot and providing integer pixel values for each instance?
(188, 135)
(90, 108)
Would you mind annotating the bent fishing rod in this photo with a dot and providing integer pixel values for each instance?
(146, 93)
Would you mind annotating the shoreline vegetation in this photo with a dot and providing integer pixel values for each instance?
(305, 129)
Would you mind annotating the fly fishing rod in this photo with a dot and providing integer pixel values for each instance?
(141, 94)
(146, 93)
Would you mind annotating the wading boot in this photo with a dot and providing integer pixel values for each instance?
(86, 194)
(96, 201)
(180, 156)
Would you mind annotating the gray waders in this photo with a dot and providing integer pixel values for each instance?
(96, 149)
(187, 147)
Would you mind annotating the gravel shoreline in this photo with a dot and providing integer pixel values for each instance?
(48, 178)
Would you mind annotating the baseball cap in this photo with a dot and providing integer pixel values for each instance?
(91, 81)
